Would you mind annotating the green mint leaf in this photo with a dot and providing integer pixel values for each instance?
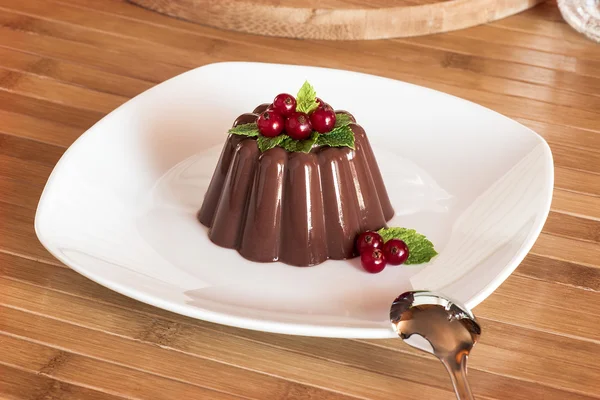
(304, 146)
(420, 249)
(342, 120)
(250, 129)
(306, 99)
(338, 137)
(267, 143)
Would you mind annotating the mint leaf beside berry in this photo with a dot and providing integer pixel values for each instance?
(338, 137)
(250, 129)
(306, 99)
(342, 120)
(267, 143)
(421, 250)
(304, 146)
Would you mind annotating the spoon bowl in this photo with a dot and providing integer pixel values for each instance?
(440, 326)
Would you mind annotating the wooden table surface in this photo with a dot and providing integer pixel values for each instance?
(66, 63)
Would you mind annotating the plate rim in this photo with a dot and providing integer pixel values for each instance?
(286, 327)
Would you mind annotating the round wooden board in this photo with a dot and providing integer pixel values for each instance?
(339, 19)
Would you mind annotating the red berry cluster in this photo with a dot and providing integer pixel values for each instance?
(375, 254)
(282, 116)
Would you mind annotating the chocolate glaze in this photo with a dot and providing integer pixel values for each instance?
(297, 208)
(261, 108)
(261, 240)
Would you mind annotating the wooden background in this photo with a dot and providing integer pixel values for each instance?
(65, 64)
(339, 19)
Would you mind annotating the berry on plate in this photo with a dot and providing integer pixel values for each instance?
(373, 260)
(395, 251)
(368, 240)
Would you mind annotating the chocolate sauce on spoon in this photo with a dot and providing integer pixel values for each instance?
(432, 323)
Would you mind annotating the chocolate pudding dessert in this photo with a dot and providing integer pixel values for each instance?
(296, 182)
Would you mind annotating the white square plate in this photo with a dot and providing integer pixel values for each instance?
(120, 206)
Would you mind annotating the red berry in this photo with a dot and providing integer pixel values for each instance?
(368, 240)
(323, 105)
(298, 126)
(395, 251)
(270, 123)
(322, 120)
(373, 261)
(284, 104)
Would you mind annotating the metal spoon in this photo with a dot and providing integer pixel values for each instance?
(437, 325)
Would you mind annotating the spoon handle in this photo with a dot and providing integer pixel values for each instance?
(458, 374)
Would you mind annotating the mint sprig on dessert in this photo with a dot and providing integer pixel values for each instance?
(393, 246)
(245, 129)
(306, 99)
(298, 124)
(267, 143)
(287, 143)
(342, 120)
(338, 137)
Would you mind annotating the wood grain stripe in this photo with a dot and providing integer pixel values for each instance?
(525, 23)
(143, 50)
(44, 109)
(567, 249)
(575, 204)
(573, 227)
(77, 370)
(455, 65)
(17, 235)
(465, 45)
(564, 135)
(22, 127)
(572, 158)
(577, 181)
(88, 55)
(562, 272)
(19, 193)
(31, 172)
(492, 34)
(39, 87)
(18, 384)
(71, 73)
(28, 151)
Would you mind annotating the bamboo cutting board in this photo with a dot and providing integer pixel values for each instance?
(339, 19)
